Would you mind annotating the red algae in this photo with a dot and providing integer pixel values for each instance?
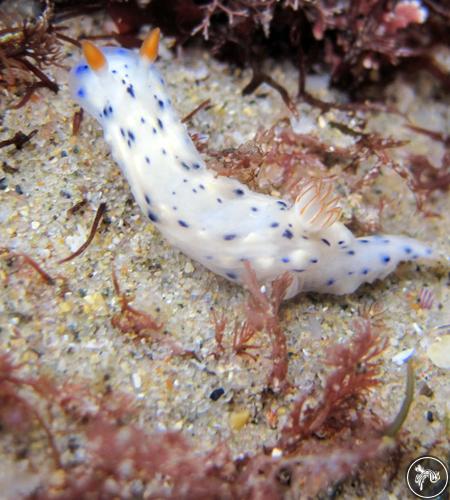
(130, 320)
(98, 217)
(320, 444)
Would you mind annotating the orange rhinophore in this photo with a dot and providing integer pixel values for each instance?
(149, 48)
(94, 56)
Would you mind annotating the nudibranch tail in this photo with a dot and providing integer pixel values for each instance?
(217, 220)
(364, 260)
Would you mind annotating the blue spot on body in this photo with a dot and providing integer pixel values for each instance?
(229, 237)
(330, 282)
(274, 224)
(131, 135)
(160, 124)
(201, 186)
(152, 216)
(407, 250)
(147, 199)
(239, 192)
(231, 276)
(326, 242)
(365, 271)
(81, 69)
(314, 261)
(183, 224)
(285, 260)
(385, 259)
(185, 165)
(81, 92)
(161, 104)
(219, 200)
(363, 241)
(299, 270)
(351, 252)
(130, 90)
(142, 119)
(254, 209)
(147, 160)
(196, 166)
(288, 234)
(122, 131)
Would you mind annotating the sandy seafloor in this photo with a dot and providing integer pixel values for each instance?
(70, 334)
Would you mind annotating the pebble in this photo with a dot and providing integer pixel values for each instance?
(136, 381)
(439, 352)
(239, 419)
(188, 268)
(403, 356)
(277, 453)
(217, 393)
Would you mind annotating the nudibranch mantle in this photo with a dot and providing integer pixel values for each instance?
(217, 220)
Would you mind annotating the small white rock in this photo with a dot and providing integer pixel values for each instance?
(403, 356)
(277, 453)
(136, 381)
(439, 352)
(418, 329)
(188, 268)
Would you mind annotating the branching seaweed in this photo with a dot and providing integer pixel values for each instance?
(28, 47)
(356, 371)
(322, 443)
(262, 312)
(130, 320)
(282, 160)
(243, 334)
(18, 140)
(357, 40)
(26, 259)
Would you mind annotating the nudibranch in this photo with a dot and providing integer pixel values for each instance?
(217, 220)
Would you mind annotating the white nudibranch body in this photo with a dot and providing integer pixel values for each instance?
(216, 220)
